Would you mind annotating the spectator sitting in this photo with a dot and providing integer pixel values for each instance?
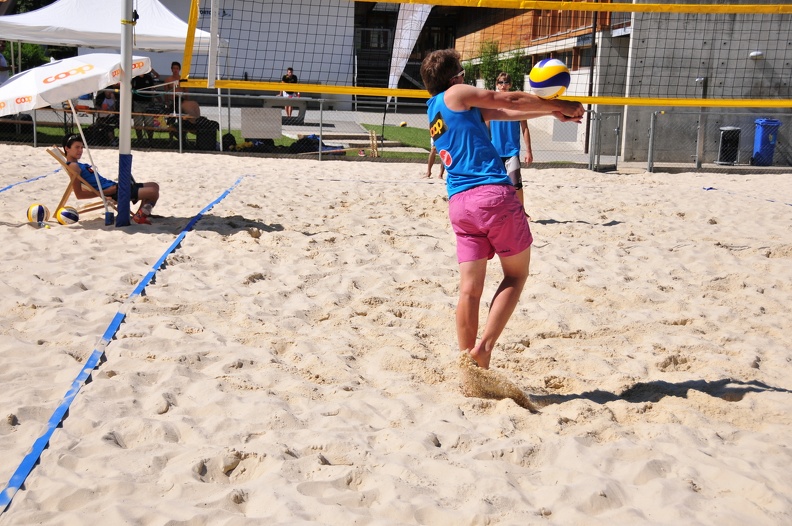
(107, 101)
(289, 78)
(147, 193)
(191, 111)
(142, 100)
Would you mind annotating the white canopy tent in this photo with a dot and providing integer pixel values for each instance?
(89, 23)
(103, 24)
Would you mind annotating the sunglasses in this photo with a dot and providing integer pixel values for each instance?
(504, 82)
(72, 138)
(460, 74)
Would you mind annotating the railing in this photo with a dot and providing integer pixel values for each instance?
(258, 124)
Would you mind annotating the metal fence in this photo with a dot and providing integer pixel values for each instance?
(719, 139)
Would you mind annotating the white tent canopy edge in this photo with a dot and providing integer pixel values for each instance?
(90, 24)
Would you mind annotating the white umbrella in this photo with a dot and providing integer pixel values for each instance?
(64, 80)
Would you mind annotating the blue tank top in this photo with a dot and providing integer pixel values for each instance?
(506, 137)
(464, 146)
(87, 173)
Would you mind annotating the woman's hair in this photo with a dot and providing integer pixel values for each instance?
(504, 77)
(71, 139)
(438, 68)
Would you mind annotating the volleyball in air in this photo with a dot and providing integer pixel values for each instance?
(37, 213)
(67, 215)
(549, 78)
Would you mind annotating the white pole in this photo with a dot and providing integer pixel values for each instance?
(125, 107)
(125, 117)
(211, 68)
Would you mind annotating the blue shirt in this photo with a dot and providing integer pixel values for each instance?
(506, 137)
(463, 143)
(87, 173)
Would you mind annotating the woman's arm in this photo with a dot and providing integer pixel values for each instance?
(527, 138)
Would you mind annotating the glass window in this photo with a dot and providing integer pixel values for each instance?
(584, 54)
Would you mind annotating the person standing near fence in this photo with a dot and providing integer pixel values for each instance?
(506, 139)
(5, 70)
(142, 98)
(485, 214)
(289, 78)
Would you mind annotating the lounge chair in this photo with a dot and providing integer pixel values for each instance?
(79, 187)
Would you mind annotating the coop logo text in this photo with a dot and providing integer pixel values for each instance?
(66, 74)
(135, 65)
(437, 127)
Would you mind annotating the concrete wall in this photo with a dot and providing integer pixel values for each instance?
(315, 37)
(666, 58)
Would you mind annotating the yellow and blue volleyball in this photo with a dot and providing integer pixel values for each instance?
(67, 215)
(549, 78)
(38, 213)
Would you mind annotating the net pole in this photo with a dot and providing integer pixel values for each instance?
(211, 72)
(591, 78)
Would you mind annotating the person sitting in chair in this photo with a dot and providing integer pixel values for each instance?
(147, 193)
(107, 101)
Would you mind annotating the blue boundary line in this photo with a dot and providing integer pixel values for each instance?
(27, 181)
(712, 188)
(27, 464)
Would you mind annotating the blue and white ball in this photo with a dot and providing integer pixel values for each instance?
(67, 215)
(549, 78)
(38, 213)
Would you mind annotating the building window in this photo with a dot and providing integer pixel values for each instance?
(583, 57)
(374, 38)
(565, 57)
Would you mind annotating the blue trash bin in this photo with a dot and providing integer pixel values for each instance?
(765, 141)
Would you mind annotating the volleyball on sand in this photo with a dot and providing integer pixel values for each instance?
(67, 215)
(549, 78)
(37, 213)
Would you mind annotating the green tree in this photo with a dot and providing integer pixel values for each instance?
(470, 72)
(515, 65)
(492, 63)
(23, 6)
(488, 65)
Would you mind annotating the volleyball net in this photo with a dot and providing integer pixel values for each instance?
(728, 55)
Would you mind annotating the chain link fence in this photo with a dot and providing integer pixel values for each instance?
(330, 128)
(714, 139)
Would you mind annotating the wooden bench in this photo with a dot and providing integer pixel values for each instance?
(30, 123)
(162, 117)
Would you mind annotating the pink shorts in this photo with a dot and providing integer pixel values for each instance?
(488, 220)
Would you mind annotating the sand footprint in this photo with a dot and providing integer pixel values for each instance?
(164, 405)
(232, 467)
(486, 383)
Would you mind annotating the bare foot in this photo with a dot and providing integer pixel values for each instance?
(481, 356)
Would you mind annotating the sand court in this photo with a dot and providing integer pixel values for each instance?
(294, 358)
